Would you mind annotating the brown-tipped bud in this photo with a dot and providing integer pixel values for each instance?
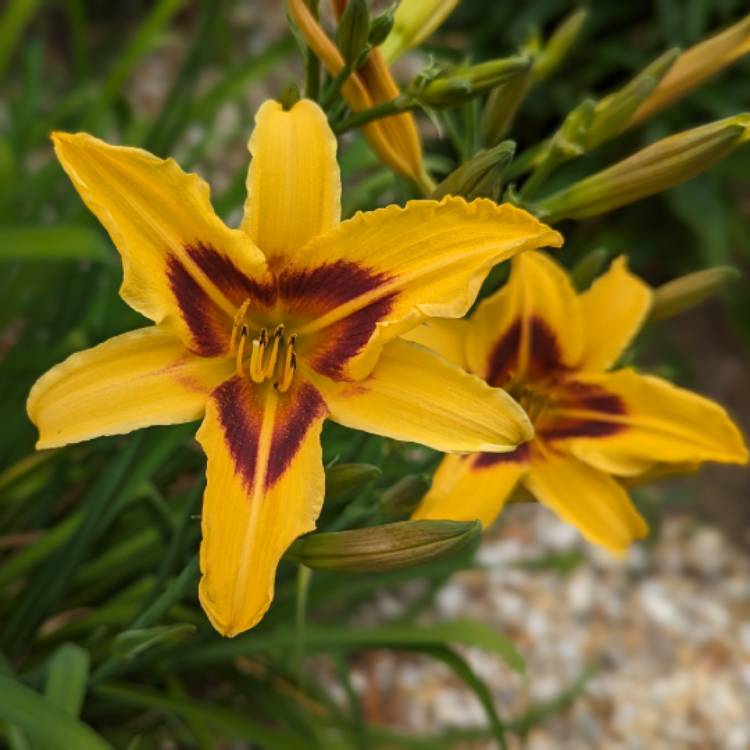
(381, 27)
(414, 21)
(695, 65)
(481, 176)
(388, 547)
(353, 30)
(588, 268)
(401, 499)
(559, 44)
(662, 165)
(681, 294)
(460, 85)
(343, 480)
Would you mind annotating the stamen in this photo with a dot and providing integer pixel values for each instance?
(241, 350)
(290, 365)
(239, 319)
(273, 354)
(257, 372)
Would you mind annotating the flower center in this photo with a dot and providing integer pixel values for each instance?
(267, 356)
(534, 402)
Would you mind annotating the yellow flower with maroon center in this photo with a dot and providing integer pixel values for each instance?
(551, 349)
(266, 330)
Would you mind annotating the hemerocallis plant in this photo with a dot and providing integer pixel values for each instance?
(266, 330)
(552, 349)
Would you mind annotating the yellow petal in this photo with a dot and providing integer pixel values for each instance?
(658, 423)
(472, 487)
(180, 261)
(141, 378)
(531, 328)
(418, 396)
(588, 499)
(293, 185)
(265, 488)
(446, 336)
(613, 311)
(425, 260)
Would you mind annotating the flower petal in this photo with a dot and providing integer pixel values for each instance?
(446, 336)
(660, 423)
(162, 222)
(531, 328)
(426, 260)
(416, 395)
(265, 488)
(613, 311)
(293, 185)
(141, 378)
(588, 499)
(475, 486)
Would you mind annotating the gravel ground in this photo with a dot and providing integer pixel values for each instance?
(667, 630)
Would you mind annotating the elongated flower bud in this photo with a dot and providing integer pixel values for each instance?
(344, 479)
(380, 28)
(502, 105)
(399, 500)
(695, 65)
(479, 177)
(388, 547)
(681, 294)
(558, 45)
(353, 30)
(463, 84)
(655, 168)
(414, 21)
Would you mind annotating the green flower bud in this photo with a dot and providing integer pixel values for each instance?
(460, 85)
(558, 45)
(353, 30)
(588, 268)
(681, 294)
(345, 479)
(655, 168)
(380, 27)
(403, 497)
(481, 176)
(388, 547)
(502, 105)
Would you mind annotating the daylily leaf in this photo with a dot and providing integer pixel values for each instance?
(131, 643)
(67, 677)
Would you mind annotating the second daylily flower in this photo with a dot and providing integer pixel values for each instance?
(266, 330)
(551, 349)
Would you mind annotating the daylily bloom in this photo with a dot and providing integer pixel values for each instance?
(552, 348)
(266, 330)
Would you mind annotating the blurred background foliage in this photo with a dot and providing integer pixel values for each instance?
(98, 614)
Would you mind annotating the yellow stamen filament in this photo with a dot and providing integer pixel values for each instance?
(257, 371)
(240, 349)
(273, 354)
(238, 323)
(290, 365)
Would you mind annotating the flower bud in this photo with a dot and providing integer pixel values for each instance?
(399, 500)
(388, 547)
(695, 65)
(381, 27)
(588, 268)
(353, 30)
(414, 21)
(662, 165)
(681, 294)
(345, 479)
(479, 177)
(463, 84)
(558, 45)
(502, 105)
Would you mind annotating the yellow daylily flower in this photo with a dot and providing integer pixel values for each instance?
(266, 330)
(552, 350)
(395, 139)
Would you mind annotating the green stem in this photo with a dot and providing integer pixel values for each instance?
(334, 87)
(304, 575)
(395, 106)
